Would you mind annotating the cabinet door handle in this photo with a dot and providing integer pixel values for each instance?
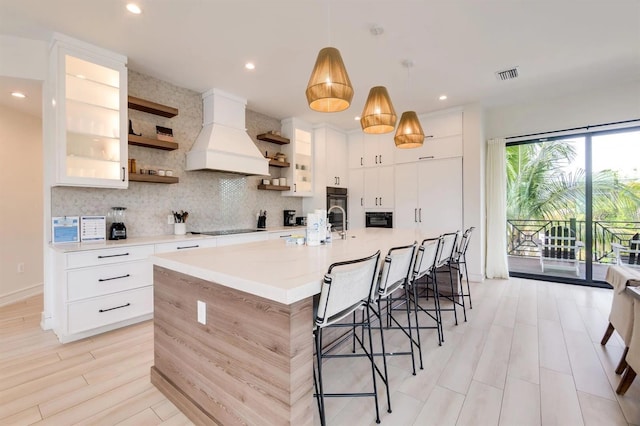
(123, 174)
(295, 188)
(425, 158)
(114, 278)
(188, 247)
(380, 200)
(361, 201)
(113, 255)
(361, 162)
(117, 307)
(420, 214)
(380, 158)
(338, 180)
(415, 215)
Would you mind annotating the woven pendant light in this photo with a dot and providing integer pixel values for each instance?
(329, 88)
(378, 115)
(409, 133)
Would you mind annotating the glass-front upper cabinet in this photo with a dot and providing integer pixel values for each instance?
(89, 107)
(300, 155)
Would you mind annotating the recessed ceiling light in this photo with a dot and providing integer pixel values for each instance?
(18, 95)
(443, 97)
(134, 8)
(250, 66)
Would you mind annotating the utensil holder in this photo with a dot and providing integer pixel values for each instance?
(180, 228)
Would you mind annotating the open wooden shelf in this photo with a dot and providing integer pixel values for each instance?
(274, 187)
(136, 177)
(270, 137)
(152, 143)
(152, 107)
(275, 163)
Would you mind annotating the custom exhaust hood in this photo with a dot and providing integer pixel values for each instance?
(223, 143)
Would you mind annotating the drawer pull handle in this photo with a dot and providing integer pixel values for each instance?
(114, 278)
(426, 158)
(188, 247)
(113, 255)
(285, 236)
(117, 307)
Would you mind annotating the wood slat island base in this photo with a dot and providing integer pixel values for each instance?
(250, 364)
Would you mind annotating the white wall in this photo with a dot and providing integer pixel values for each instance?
(473, 168)
(616, 103)
(21, 200)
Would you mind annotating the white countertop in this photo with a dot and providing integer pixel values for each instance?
(277, 271)
(156, 239)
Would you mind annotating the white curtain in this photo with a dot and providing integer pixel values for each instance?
(496, 199)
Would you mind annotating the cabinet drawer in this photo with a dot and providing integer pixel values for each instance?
(100, 311)
(185, 245)
(229, 240)
(107, 256)
(97, 281)
(432, 149)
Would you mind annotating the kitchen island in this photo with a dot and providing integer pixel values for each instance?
(251, 362)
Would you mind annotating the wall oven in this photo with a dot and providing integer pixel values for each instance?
(336, 197)
(378, 219)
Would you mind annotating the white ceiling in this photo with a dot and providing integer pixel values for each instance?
(560, 46)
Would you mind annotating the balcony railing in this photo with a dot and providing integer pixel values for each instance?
(523, 236)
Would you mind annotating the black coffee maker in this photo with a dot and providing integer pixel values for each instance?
(289, 218)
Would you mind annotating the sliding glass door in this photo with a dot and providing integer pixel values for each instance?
(570, 200)
(616, 196)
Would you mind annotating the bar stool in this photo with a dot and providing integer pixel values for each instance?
(423, 278)
(459, 262)
(444, 262)
(395, 275)
(346, 288)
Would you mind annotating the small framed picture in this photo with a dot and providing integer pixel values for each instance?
(93, 228)
(65, 229)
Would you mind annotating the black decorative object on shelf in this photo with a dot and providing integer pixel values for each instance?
(131, 132)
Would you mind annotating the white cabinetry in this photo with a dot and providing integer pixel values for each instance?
(355, 149)
(86, 115)
(229, 240)
(444, 138)
(100, 290)
(185, 245)
(355, 201)
(300, 155)
(379, 187)
(379, 150)
(429, 196)
(336, 156)
(277, 235)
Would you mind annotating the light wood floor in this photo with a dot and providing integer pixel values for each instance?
(528, 355)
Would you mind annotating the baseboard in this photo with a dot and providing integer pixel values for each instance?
(18, 295)
(476, 278)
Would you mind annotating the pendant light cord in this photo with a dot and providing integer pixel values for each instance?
(329, 22)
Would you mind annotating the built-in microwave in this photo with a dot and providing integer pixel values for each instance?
(379, 219)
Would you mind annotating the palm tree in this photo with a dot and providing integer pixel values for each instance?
(540, 187)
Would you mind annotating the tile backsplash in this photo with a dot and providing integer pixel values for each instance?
(214, 200)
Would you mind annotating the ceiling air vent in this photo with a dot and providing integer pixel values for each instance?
(509, 74)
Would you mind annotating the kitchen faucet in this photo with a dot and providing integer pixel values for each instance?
(342, 234)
